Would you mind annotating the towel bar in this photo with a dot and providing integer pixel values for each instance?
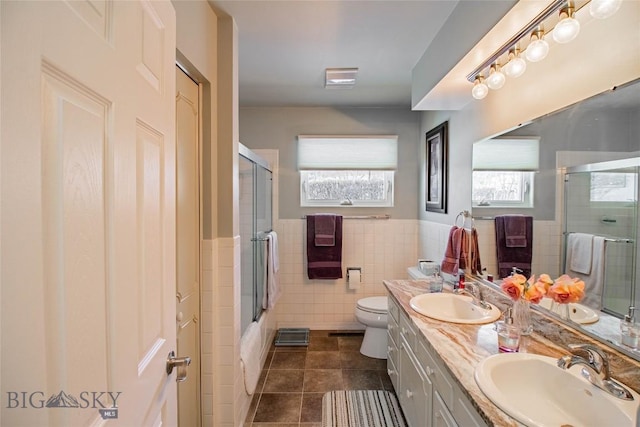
(362, 217)
(609, 239)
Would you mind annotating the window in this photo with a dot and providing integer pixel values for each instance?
(503, 172)
(502, 188)
(347, 188)
(613, 187)
(347, 170)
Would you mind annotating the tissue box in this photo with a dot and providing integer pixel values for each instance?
(428, 267)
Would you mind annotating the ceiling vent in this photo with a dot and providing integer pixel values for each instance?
(340, 78)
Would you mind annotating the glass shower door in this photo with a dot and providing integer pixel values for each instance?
(255, 223)
(602, 199)
(263, 224)
(247, 233)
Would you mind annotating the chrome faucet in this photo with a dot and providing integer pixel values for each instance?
(595, 369)
(474, 291)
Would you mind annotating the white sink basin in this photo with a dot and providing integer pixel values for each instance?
(453, 308)
(534, 390)
(577, 312)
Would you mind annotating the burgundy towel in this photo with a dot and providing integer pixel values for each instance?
(464, 260)
(470, 252)
(515, 231)
(451, 261)
(324, 262)
(325, 230)
(509, 257)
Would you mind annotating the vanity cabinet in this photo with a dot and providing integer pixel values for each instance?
(428, 394)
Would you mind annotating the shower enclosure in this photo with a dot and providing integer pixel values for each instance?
(255, 181)
(602, 199)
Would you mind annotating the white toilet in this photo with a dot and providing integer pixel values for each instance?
(372, 312)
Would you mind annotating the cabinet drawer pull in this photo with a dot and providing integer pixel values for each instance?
(429, 371)
(409, 394)
(389, 349)
(390, 372)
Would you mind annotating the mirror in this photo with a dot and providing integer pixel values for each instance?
(594, 145)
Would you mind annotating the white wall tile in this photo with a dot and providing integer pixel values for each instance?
(546, 251)
(383, 249)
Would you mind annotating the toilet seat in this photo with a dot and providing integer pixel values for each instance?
(375, 305)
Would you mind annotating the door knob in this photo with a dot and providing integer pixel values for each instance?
(181, 363)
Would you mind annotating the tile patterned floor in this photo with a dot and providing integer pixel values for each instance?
(294, 379)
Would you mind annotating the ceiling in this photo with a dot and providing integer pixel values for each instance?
(285, 46)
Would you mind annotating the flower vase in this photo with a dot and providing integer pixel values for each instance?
(561, 310)
(522, 316)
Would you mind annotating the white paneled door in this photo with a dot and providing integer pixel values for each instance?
(87, 213)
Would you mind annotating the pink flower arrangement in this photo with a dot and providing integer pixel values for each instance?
(566, 289)
(563, 290)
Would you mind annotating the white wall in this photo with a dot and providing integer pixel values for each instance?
(196, 39)
(278, 128)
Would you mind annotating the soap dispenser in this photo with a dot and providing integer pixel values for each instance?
(508, 334)
(630, 330)
(508, 316)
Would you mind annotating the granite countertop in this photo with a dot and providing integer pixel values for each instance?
(462, 347)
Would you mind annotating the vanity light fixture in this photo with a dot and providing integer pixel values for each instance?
(568, 27)
(538, 48)
(529, 41)
(480, 89)
(602, 9)
(516, 65)
(496, 78)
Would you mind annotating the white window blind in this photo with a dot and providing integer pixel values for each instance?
(501, 154)
(376, 152)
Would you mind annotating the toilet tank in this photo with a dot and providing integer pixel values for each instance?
(414, 273)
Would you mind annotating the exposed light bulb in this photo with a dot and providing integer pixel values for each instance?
(538, 48)
(568, 27)
(480, 89)
(516, 65)
(496, 77)
(602, 9)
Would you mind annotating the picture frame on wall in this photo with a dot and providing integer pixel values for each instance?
(437, 159)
